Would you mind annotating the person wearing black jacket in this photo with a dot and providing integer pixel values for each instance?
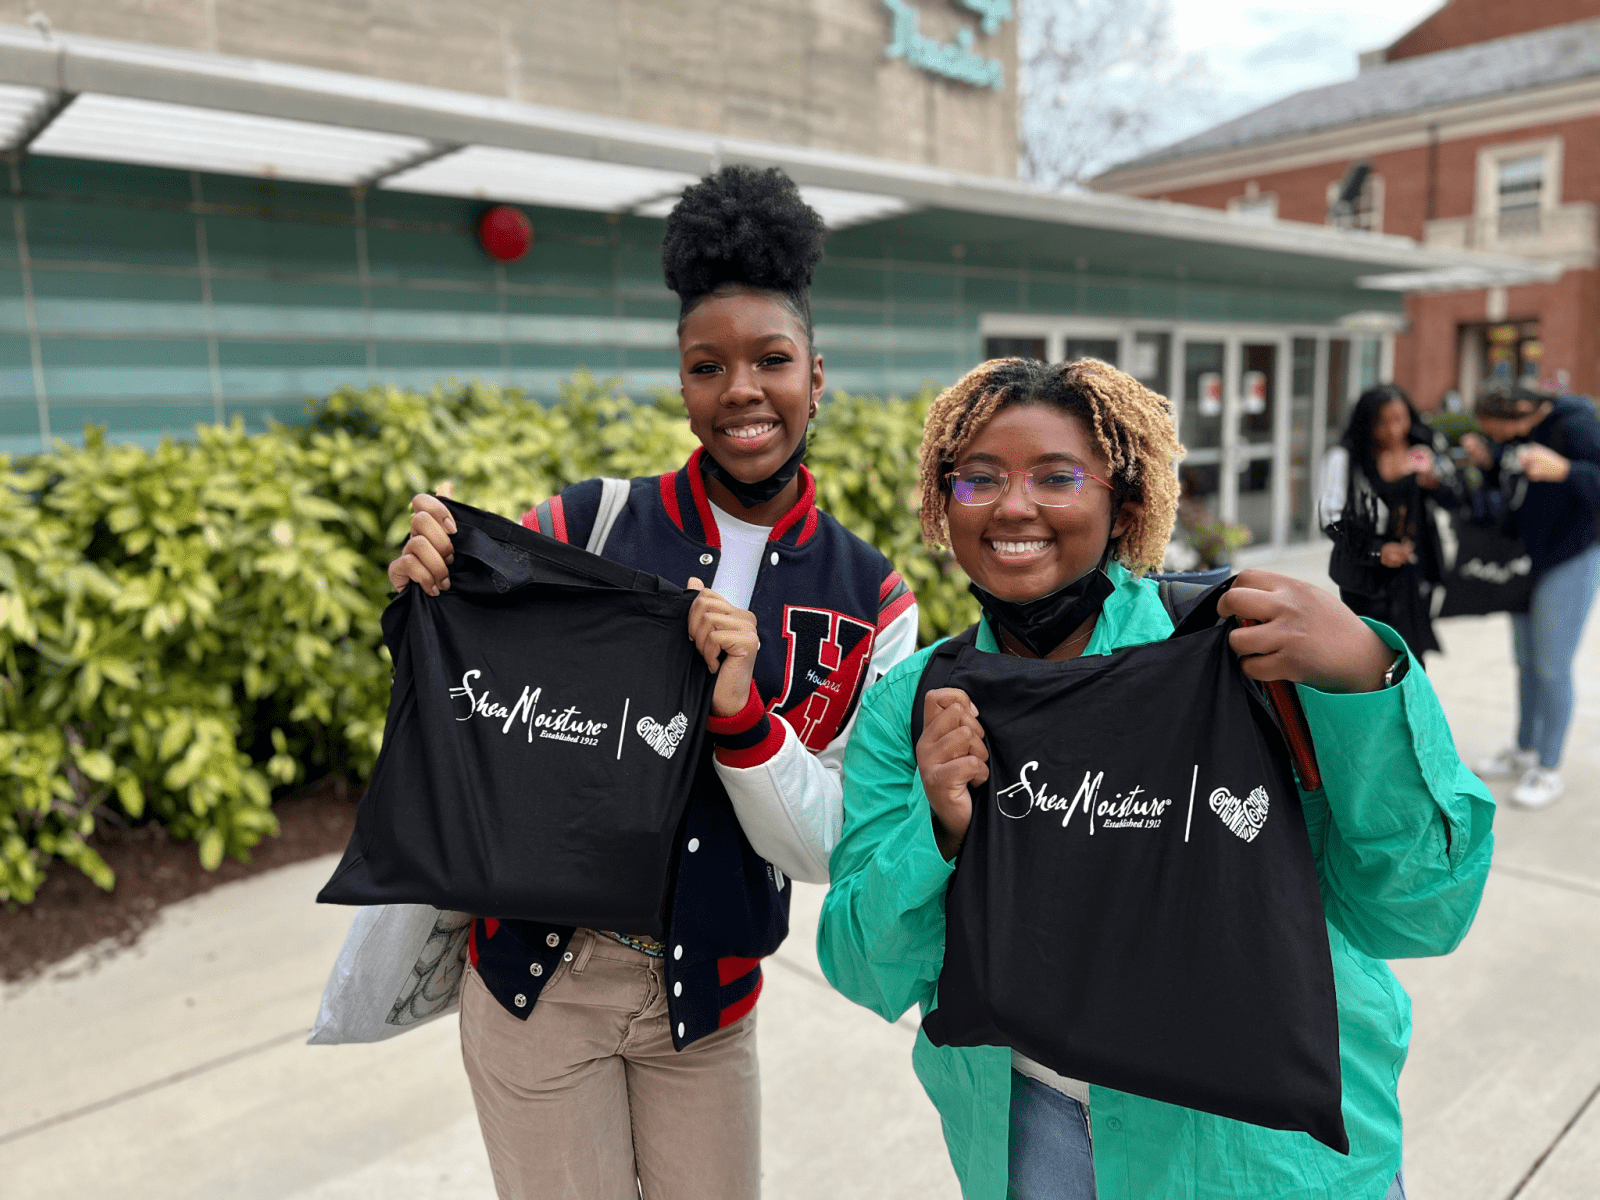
(1544, 454)
(604, 1062)
(1381, 487)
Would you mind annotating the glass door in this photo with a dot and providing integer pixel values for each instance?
(1302, 408)
(1150, 360)
(1256, 437)
(1106, 349)
(1200, 426)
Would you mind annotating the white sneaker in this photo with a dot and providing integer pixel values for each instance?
(1509, 763)
(1539, 787)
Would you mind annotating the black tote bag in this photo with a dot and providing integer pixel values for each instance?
(545, 726)
(1484, 569)
(1135, 904)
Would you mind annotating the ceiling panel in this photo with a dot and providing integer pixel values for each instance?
(839, 209)
(205, 139)
(521, 176)
(20, 107)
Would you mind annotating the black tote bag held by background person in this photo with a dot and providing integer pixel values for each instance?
(545, 726)
(1483, 568)
(1135, 904)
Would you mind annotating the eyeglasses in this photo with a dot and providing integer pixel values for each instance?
(1054, 485)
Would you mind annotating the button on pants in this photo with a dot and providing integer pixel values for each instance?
(587, 1099)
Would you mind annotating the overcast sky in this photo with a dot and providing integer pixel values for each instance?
(1256, 51)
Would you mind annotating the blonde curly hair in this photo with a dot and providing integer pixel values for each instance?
(1130, 424)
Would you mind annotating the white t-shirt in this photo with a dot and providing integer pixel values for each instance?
(743, 544)
(1075, 1088)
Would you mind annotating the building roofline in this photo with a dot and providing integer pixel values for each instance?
(1339, 144)
(1405, 78)
(1418, 24)
(72, 64)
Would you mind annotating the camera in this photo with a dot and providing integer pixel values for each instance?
(1511, 458)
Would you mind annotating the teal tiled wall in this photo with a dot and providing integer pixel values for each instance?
(148, 300)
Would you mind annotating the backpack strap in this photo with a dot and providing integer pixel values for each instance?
(613, 499)
(936, 674)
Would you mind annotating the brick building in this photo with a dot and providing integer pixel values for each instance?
(1479, 128)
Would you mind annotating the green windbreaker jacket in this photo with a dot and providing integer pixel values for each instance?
(1401, 834)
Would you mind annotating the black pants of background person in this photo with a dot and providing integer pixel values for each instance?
(1401, 603)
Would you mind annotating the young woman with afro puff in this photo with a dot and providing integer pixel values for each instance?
(605, 1064)
(1054, 487)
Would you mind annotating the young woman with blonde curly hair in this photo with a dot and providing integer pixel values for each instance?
(1054, 488)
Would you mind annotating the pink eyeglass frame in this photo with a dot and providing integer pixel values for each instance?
(1027, 487)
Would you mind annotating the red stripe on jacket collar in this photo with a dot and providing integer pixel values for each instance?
(684, 492)
(669, 497)
(803, 514)
(702, 502)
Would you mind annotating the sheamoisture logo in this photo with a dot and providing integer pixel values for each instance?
(1135, 808)
(562, 725)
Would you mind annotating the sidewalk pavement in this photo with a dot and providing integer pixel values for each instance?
(176, 1068)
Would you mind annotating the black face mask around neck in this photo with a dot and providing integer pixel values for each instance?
(759, 492)
(1043, 623)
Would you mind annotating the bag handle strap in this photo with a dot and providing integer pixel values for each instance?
(1193, 607)
(1290, 717)
(936, 674)
(474, 543)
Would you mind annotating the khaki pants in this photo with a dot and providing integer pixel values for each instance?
(587, 1099)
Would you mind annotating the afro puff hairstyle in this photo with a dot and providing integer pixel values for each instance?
(743, 227)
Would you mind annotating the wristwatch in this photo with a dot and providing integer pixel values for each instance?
(1397, 669)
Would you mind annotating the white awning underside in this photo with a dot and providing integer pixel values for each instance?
(159, 134)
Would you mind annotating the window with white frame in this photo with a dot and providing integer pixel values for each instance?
(1519, 194)
(1365, 212)
(1518, 186)
(1255, 204)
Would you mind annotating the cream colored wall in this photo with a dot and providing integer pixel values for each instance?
(803, 72)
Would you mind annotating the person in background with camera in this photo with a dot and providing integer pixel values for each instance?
(1380, 486)
(1543, 452)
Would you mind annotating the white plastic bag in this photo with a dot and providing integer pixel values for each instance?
(400, 965)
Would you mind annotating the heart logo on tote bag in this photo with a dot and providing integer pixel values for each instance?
(663, 739)
(1244, 818)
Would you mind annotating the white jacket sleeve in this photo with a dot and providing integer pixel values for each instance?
(791, 805)
(1335, 474)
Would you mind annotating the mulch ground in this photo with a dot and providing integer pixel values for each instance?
(153, 871)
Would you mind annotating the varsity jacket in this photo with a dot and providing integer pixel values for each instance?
(833, 617)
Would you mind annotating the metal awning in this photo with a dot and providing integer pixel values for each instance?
(158, 133)
(121, 101)
(154, 133)
(1464, 277)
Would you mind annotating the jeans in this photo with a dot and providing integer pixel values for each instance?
(1545, 640)
(1051, 1150)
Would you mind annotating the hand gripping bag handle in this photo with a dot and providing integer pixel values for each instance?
(936, 674)
(1291, 718)
(1192, 607)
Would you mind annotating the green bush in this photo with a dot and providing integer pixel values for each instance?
(1453, 425)
(185, 629)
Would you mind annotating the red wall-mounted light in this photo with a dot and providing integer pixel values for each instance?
(505, 233)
